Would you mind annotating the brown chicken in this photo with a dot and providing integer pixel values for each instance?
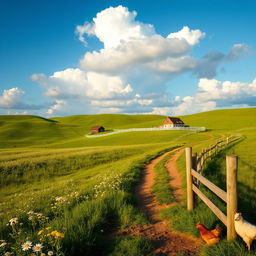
(209, 236)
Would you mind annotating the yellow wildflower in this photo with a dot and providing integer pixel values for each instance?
(57, 234)
(40, 232)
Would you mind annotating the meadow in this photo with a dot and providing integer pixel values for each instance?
(71, 193)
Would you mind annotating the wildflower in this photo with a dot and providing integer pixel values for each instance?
(50, 253)
(57, 234)
(13, 221)
(40, 232)
(26, 246)
(42, 254)
(59, 199)
(37, 247)
(3, 244)
(48, 228)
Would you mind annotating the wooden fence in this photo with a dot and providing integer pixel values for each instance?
(194, 165)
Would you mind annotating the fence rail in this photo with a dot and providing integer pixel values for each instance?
(194, 165)
(116, 131)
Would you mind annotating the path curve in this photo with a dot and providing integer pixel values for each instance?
(166, 241)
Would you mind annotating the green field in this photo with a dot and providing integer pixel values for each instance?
(84, 187)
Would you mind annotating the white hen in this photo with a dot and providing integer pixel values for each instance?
(245, 229)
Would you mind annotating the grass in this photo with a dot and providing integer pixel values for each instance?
(185, 221)
(112, 200)
(161, 189)
(48, 166)
(132, 246)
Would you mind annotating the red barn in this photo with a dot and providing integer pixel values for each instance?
(97, 129)
(172, 122)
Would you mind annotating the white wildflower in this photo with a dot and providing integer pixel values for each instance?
(13, 221)
(37, 247)
(26, 246)
(3, 244)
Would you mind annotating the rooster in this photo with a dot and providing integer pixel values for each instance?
(209, 236)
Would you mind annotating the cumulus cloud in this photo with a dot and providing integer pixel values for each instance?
(135, 45)
(212, 94)
(131, 42)
(77, 83)
(11, 98)
(130, 73)
(174, 65)
(233, 92)
(58, 105)
(133, 52)
(191, 36)
(123, 26)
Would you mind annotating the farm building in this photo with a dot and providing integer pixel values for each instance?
(97, 129)
(172, 122)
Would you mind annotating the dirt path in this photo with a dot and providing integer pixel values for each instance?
(166, 241)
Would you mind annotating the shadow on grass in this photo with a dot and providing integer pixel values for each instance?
(184, 221)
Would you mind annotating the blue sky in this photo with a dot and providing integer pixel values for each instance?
(207, 63)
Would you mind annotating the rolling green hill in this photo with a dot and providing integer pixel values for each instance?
(226, 119)
(23, 131)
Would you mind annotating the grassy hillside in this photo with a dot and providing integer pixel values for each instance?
(111, 121)
(23, 131)
(226, 119)
(47, 166)
(18, 131)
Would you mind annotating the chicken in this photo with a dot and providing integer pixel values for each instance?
(245, 230)
(209, 236)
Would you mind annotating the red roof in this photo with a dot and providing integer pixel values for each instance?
(173, 120)
(97, 127)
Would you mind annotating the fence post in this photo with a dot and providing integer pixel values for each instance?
(194, 161)
(190, 201)
(204, 155)
(231, 167)
(196, 181)
(202, 159)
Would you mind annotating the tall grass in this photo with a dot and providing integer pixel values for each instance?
(23, 170)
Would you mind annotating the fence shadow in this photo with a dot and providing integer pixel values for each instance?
(215, 170)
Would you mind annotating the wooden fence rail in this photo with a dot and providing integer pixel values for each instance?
(194, 165)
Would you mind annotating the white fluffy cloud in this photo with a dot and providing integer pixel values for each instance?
(123, 27)
(133, 52)
(130, 73)
(174, 65)
(190, 36)
(212, 89)
(77, 83)
(129, 42)
(212, 94)
(58, 105)
(11, 98)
